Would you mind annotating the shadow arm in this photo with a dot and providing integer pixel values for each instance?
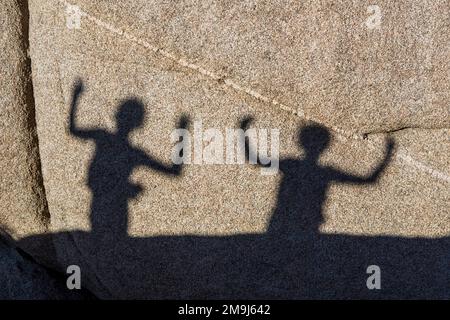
(373, 177)
(174, 169)
(148, 161)
(74, 130)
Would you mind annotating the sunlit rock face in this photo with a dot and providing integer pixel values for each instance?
(23, 206)
(326, 87)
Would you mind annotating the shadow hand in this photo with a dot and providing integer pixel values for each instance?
(390, 145)
(245, 122)
(184, 122)
(79, 87)
(135, 190)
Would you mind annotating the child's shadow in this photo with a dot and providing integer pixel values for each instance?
(114, 161)
(305, 182)
(292, 260)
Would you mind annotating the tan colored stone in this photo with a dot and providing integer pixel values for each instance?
(23, 208)
(327, 59)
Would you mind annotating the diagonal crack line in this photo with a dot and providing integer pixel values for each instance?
(401, 156)
(210, 74)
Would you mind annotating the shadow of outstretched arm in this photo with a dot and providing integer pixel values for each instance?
(174, 169)
(372, 178)
(80, 133)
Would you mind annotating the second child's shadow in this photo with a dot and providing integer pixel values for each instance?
(292, 260)
(305, 182)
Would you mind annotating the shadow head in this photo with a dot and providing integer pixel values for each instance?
(130, 115)
(314, 139)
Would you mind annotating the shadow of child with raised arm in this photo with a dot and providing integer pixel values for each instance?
(110, 169)
(305, 182)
